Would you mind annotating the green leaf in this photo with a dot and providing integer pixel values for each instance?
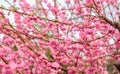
(50, 34)
(48, 53)
(15, 48)
(31, 67)
(115, 72)
(55, 20)
(2, 6)
(110, 68)
(67, 65)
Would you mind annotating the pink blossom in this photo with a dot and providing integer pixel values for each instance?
(67, 1)
(1, 12)
(68, 40)
(105, 72)
(71, 70)
(118, 59)
(53, 42)
(53, 37)
(90, 71)
(14, 0)
(55, 64)
(89, 1)
(118, 42)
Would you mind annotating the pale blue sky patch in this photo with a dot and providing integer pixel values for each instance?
(111, 41)
(1, 36)
(31, 2)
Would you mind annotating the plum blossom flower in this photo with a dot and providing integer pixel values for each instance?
(90, 71)
(55, 64)
(71, 70)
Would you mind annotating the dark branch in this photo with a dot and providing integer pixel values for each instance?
(117, 65)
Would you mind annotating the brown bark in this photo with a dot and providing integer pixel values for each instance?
(115, 24)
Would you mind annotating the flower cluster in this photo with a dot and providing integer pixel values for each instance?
(60, 37)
